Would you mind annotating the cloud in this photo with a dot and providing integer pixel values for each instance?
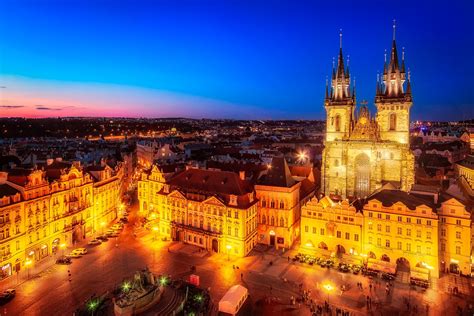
(11, 106)
(46, 108)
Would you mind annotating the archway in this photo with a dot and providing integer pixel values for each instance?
(322, 245)
(371, 255)
(215, 245)
(385, 258)
(403, 264)
(340, 250)
(362, 175)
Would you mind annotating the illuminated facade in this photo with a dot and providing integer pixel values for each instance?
(214, 210)
(280, 196)
(362, 153)
(45, 211)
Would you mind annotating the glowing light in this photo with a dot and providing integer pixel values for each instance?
(228, 247)
(62, 245)
(163, 280)
(199, 298)
(92, 305)
(269, 166)
(126, 286)
(27, 262)
(155, 228)
(328, 287)
(308, 244)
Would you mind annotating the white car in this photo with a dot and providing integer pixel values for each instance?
(95, 242)
(80, 251)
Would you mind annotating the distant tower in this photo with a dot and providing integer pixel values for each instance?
(393, 102)
(339, 101)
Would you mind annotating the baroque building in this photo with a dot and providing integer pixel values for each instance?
(53, 206)
(362, 152)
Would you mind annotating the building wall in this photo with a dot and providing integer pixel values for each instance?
(402, 126)
(278, 215)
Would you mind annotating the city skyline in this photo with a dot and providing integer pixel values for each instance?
(215, 60)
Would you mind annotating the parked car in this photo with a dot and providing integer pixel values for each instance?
(124, 220)
(73, 255)
(112, 234)
(102, 238)
(7, 296)
(118, 226)
(80, 251)
(95, 241)
(64, 260)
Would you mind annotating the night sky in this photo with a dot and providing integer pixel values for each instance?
(226, 59)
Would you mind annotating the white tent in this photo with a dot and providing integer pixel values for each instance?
(233, 300)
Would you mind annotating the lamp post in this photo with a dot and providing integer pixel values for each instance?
(62, 246)
(228, 252)
(328, 287)
(155, 231)
(27, 264)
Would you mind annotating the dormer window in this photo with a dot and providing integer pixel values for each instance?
(233, 200)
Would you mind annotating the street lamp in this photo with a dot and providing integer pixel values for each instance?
(27, 264)
(228, 251)
(155, 231)
(328, 287)
(62, 246)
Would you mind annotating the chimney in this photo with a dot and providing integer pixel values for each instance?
(242, 175)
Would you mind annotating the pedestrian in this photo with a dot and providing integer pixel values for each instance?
(241, 276)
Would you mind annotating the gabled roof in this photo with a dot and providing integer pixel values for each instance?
(7, 190)
(278, 175)
(391, 197)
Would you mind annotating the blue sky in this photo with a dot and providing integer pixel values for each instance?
(233, 59)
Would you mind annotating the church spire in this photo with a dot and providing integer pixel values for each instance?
(340, 60)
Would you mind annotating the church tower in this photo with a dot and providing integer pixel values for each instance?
(339, 101)
(393, 102)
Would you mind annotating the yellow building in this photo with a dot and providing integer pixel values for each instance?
(456, 236)
(332, 228)
(402, 229)
(45, 211)
(362, 153)
(280, 197)
(214, 210)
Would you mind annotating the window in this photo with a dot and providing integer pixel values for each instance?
(379, 242)
(399, 218)
(379, 227)
(272, 221)
(264, 219)
(17, 245)
(408, 219)
(393, 122)
(387, 243)
(387, 217)
(236, 232)
(229, 213)
(370, 240)
(428, 235)
(229, 230)
(356, 237)
(443, 219)
(418, 249)
(443, 232)
(458, 235)
(458, 250)
(418, 221)
(370, 226)
(428, 222)
(282, 222)
(338, 123)
(408, 247)
(399, 245)
(399, 230)
(236, 215)
(322, 231)
(428, 250)
(370, 214)
(443, 247)
(348, 236)
(458, 222)
(379, 215)
(387, 229)
(418, 234)
(282, 205)
(306, 228)
(314, 230)
(338, 234)
(408, 232)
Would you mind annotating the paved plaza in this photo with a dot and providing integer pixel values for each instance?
(271, 278)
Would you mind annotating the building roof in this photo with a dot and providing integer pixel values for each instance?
(278, 175)
(390, 197)
(7, 190)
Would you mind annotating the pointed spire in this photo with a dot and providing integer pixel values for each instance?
(333, 68)
(340, 61)
(385, 62)
(394, 28)
(403, 59)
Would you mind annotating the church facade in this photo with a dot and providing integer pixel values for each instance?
(362, 153)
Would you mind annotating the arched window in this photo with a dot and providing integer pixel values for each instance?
(336, 163)
(393, 122)
(272, 204)
(272, 221)
(282, 222)
(338, 123)
(264, 219)
(282, 205)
